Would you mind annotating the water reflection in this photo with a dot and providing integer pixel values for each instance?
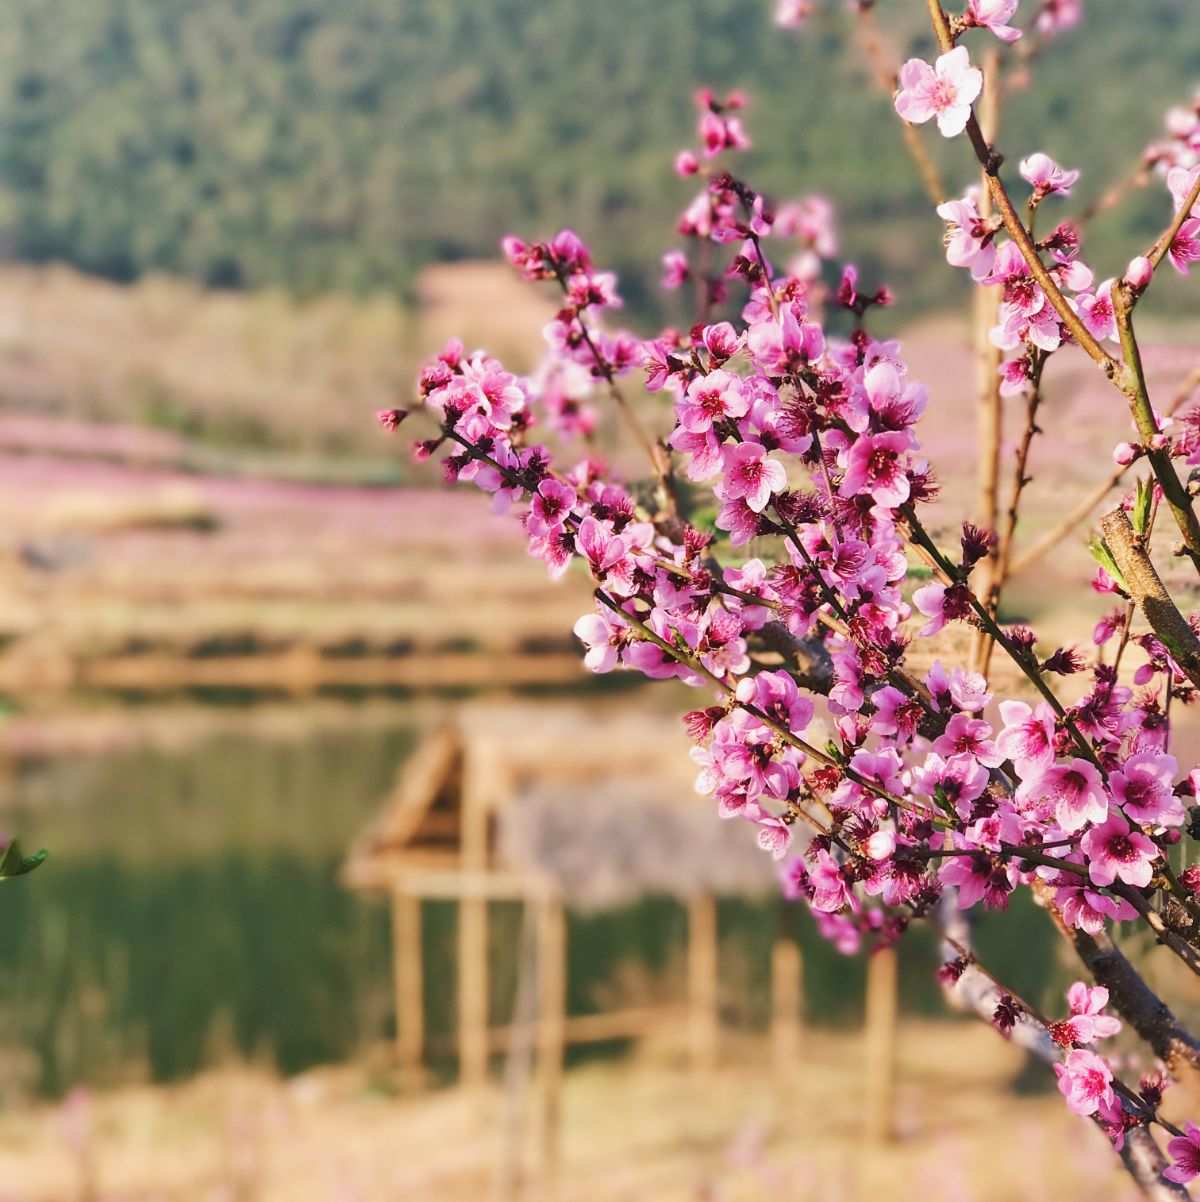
(191, 910)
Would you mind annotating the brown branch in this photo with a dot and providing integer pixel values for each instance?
(1020, 479)
(1158, 251)
(978, 991)
(1128, 993)
(990, 415)
(1174, 492)
(990, 162)
(1053, 537)
(1144, 585)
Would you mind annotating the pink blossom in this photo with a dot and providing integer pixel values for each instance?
(876, 466)
(1140, 272)
(969, 737)
(774, 836)
(1144, 787)
(946, 90)
(675, 269)
(1096, 312)
(969, 239)
(1028, 736)
(1087, 1022)
(1046, 177)
(1085, 1080)
(1180, 182)
(941, 604)
(1057, 16)
(994, 15)
(604, 636)
(712, 398)
(1088, 909)
(1184, 1150)
(1185, 249)
(606, 553)
(1117, 852)
(830, 892)
(1073, 793)
(751, 475)
(792, 14)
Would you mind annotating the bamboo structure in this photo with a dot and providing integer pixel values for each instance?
(524, 804)
(531, 805)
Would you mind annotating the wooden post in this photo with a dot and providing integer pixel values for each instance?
(472, 991)
(787, 1002)
(551, 1028)
(408, 976)
(702, 981)
(880, 1075)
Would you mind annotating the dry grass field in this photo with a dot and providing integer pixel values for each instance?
(634, 1129)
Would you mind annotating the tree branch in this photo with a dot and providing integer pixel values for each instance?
(1146, 588)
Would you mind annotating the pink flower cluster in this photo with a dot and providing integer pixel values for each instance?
(880, 791)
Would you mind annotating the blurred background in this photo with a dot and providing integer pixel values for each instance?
(230, 617)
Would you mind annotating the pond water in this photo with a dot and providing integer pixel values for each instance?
(191, 909)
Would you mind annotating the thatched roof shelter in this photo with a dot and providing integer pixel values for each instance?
(556, 806)
(597, 806)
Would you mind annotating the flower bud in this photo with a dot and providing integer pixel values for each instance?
(1124, 453)
(686, 163)
(1139, 273)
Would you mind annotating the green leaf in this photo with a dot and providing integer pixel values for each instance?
(1141, 507)
(13, 863)
(1103, 556)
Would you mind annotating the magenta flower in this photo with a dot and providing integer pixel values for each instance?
(751, 475)
(941, 604)
(606, 553)
(1145, 789)
(1185, 249)
(1086, 908)
(1073, 793)
(712, 398)
(969, 737)
(994, 15)
(675, 269)
(946, 91)
(1087, 1024)
(1115, 851)
(1046, 177)
(1096, 312)
(604, 636)
(1184, 1150)
(830, 892)
(875, 465)
(1085, 1080)
(1028, 735)
(969, 239)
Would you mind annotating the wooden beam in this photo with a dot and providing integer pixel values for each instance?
(787, 1003)
(409, 981)
(702, 981)
(880, 1044)
(551, 1029)
(472, 991)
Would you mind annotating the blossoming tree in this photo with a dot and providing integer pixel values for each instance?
(925, 797)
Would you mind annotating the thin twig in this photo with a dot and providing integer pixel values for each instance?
(1053, 537)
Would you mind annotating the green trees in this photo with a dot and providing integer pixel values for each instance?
(247, 142)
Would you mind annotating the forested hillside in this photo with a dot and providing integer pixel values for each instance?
(320, 145)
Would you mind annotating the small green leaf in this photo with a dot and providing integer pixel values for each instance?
(1141, 507)
(1103, 556)
(13, 863)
